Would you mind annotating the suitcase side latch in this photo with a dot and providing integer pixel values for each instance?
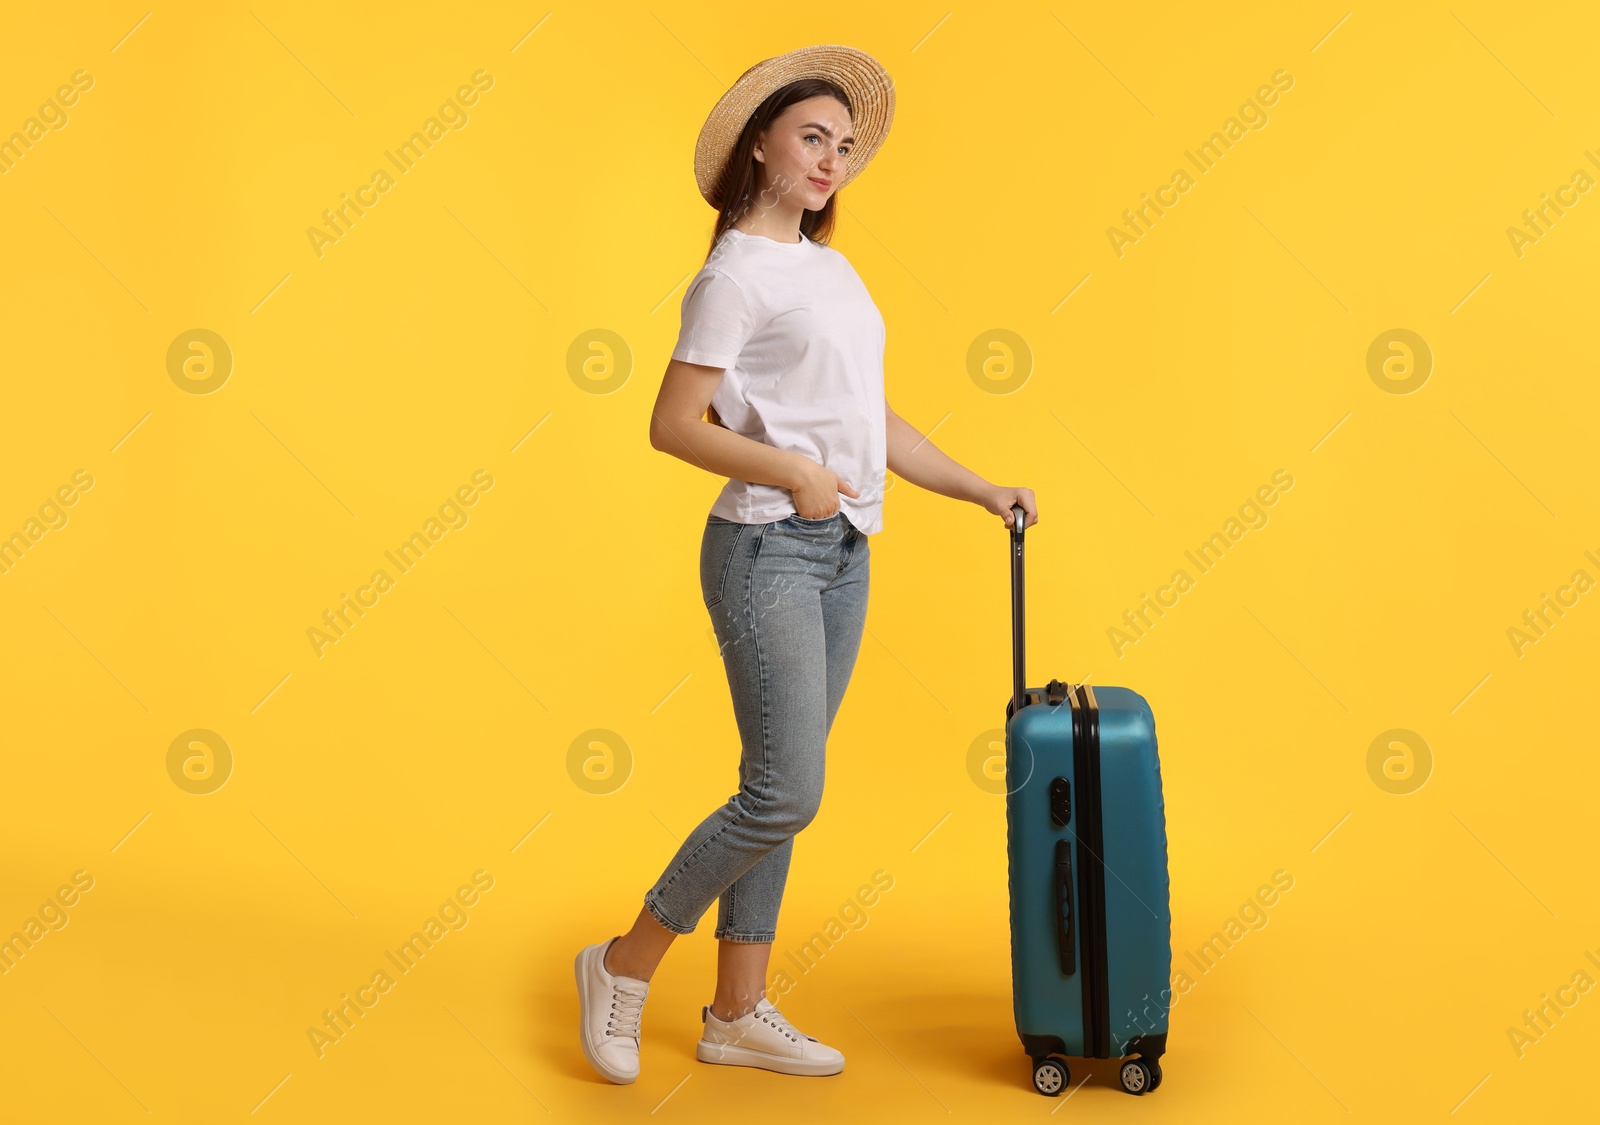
(1060, 801)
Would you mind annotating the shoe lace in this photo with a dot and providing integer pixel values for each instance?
(627, 1010)
(776, 1019)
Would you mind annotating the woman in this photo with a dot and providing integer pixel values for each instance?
(782, 346)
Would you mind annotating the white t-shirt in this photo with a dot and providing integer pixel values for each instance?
(801, 343)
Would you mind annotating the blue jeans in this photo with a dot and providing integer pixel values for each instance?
(788, 602)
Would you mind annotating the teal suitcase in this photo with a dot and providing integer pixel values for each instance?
(1086, 849)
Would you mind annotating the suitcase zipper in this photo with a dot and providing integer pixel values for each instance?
(1091, 873)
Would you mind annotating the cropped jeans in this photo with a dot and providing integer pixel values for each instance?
(788, 603)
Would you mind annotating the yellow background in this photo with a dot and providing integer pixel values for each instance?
(369, 383)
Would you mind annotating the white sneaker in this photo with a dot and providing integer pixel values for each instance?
(609, 1009)
(764, 1038)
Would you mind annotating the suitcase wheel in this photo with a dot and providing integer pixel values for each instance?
(1050, 1076)
(1140, 1077)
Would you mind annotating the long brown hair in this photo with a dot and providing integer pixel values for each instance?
(736, 190)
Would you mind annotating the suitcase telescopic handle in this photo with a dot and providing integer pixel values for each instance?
(1018, 648)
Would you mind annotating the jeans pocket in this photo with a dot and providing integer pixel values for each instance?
(718, 547)
(795, 519)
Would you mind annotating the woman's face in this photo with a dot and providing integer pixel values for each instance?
(804, 153)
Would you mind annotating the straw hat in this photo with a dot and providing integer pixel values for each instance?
(861, 76)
